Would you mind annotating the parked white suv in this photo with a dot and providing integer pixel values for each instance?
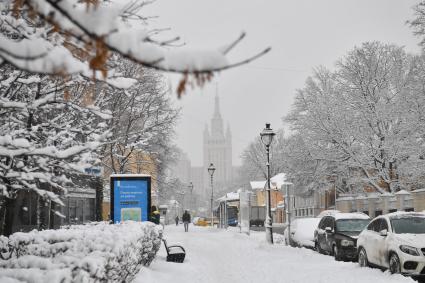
(395, 241)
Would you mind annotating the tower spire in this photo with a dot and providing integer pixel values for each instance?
(217, 121)
(217, 103)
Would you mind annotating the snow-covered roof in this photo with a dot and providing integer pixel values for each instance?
(373, 196)
(419, 190)
(344, 198)
(276, 182)
(279, 180)
(281, 204)
(232, 196)
(258, 185)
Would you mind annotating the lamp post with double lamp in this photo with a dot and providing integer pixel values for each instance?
(190, 187)
(266, 138)
(211, 170)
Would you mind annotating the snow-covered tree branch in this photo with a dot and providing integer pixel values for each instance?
(142, 117)
(45, 132)
(68, 37)
(366, 115)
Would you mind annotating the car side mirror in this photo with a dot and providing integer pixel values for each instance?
(383, 233)
(328, 229)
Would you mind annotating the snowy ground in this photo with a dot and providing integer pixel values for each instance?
(219, 256)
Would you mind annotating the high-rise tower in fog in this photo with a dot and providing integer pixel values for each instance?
(218, 150)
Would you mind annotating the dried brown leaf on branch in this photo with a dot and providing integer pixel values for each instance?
(94, 3)
(67, 95)
(197, 79)
(202, 79)
(181, 88)
(98, 62)
(17, 5)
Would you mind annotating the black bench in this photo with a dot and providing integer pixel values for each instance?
(175, 253)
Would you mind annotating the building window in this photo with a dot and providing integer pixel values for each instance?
(88, 209)
(72, 208)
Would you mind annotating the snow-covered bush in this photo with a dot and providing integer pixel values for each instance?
(95, 252)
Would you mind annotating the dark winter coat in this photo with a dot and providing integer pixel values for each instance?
(186, 217)
(156, 217)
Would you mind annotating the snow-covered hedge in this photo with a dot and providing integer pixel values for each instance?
(95, 252)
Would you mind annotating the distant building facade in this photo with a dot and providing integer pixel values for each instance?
(217, 149)
(182, 168)
(197, 174)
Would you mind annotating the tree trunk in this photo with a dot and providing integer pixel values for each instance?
(99, 201)
(2, 214)
(8, 218)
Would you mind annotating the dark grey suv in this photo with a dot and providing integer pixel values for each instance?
(337, 234)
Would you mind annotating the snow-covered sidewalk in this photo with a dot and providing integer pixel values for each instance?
(220, 256)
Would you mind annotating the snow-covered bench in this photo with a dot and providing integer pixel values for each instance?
(175, 253)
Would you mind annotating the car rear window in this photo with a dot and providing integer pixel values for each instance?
(408, 225)
(351, 225)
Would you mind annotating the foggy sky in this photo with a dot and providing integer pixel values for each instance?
(303, 34)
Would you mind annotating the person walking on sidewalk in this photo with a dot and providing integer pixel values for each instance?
(177, 220)
(155, 215)
(186, 220)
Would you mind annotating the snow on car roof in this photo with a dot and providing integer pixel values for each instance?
(351, 215)
(327, 213)
(400, 214)
(343, 215)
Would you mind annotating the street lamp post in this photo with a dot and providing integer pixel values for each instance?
(191, 195)
(288, 211)
(211, 170)
(266, 138)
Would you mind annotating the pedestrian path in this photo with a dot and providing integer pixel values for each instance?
(219, 256)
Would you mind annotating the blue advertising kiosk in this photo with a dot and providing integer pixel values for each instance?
(130, 197)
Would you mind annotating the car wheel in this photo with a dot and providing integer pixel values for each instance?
(336, 253)
(363, 261)
(395, 266)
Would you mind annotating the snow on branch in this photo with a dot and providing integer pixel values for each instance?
(98, 28)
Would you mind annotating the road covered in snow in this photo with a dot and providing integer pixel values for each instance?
(220, 256)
